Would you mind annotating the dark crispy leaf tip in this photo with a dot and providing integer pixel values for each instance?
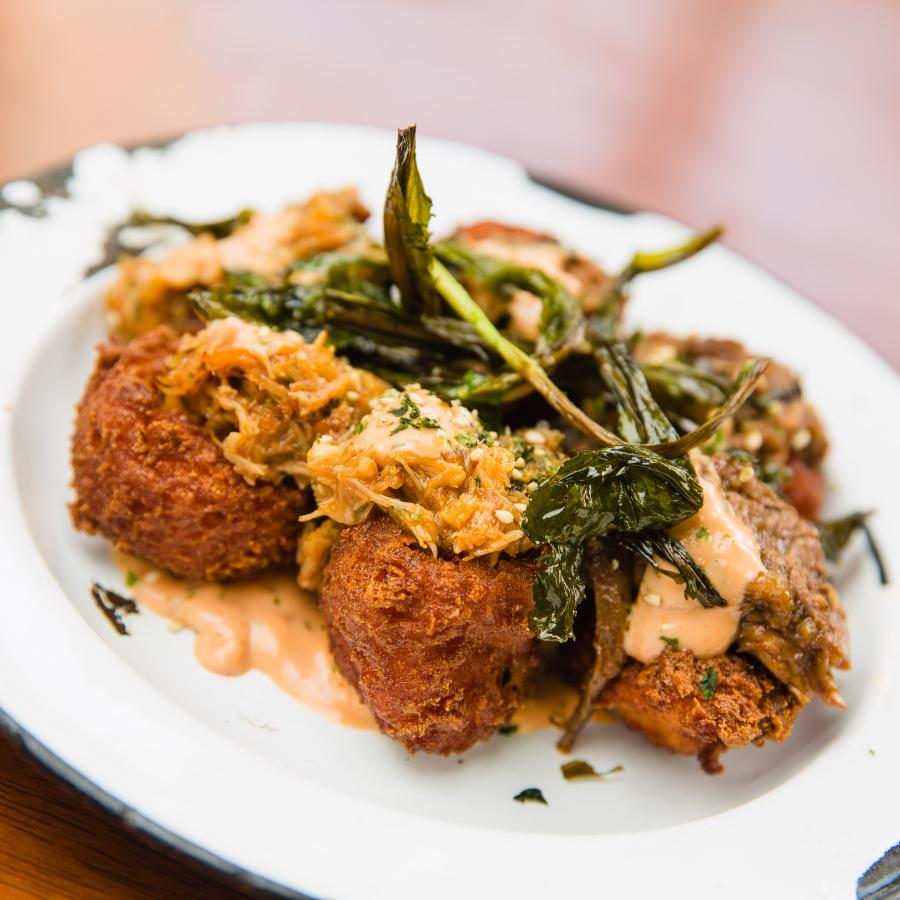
(530, 795)
(407, 212)
(743, 387)
(835, 536)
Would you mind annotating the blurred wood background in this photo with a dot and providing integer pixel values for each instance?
(780, 118)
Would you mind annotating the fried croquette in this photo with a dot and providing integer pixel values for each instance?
(439, 649)
(152, 479)
(677, 704)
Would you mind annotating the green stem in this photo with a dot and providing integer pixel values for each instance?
(468, 310)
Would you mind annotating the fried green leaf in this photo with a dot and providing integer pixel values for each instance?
(557, 589)
(653, 546)
(561, 316)
(530, 795)
(407, 212)
(218, 229)
(581, 770)
(624, 488)
(835, 536)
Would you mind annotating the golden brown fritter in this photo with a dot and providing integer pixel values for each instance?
(439, 649)
(153, 480)
(777, 425)
(664, 700)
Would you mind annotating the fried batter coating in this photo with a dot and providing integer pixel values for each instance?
(153, 292)
(777, 425)
(665, 702)
(439, 649)
(153, 480)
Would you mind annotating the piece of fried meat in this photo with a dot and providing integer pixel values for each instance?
(439, 649)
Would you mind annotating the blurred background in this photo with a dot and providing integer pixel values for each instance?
(780, 118)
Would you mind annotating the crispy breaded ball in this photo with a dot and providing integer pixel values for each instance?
(665, 701)
(439, 649)
(152, 480)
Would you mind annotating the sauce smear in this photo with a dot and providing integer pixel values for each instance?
(264, 623)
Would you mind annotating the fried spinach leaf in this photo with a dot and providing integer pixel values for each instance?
(558, 588)
(835, 535)
(407, 212)
(653, 546)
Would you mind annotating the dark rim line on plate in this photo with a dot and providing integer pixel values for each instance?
(879, 881)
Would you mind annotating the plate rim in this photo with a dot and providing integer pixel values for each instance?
(129, 815)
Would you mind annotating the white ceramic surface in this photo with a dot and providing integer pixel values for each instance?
(241, 770)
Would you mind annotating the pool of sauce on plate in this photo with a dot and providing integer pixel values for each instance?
(269, 624)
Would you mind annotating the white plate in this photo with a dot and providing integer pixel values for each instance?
(244, 773)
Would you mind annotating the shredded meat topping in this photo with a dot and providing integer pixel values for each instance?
(431, 467)
(266, 395)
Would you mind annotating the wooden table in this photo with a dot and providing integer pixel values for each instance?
(780, 118)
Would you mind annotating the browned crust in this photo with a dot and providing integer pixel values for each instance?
(439, 649)
(153, 481)
(664, 701)
(793, 621)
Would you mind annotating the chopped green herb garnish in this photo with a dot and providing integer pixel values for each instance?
(507, 729)
(466, 439)
(579, 770)
(708, 683)
(674, 643)
(130, 579)
(477, 481)
(530, 795)
(359, 427)
(702, 533)
(411, 416)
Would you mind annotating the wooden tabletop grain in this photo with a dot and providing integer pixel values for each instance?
(780, 118)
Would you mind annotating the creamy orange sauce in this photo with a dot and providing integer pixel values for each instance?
(550, 704)
(726, 549)
(266, 623)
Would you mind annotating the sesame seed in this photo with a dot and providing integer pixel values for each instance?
(801, 439)
(531, 486)
(753, 441)
(352, 396)
(520, 462)
(615, 565)
(653, 599)
(521, 507)
(533, 436)
(504, 515)
(746, 473)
